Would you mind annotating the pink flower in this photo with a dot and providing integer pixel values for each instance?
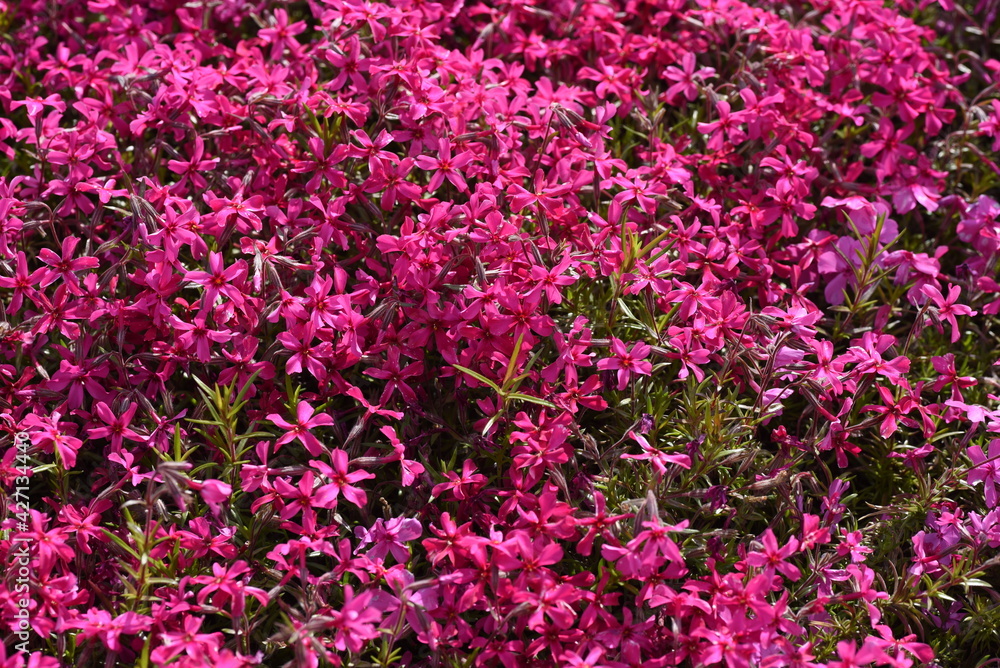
(658, 458)
(591, 660)
(300, 429)
(864, 579)
(220, 279)
(86, 524)
(691, 355)
(187, 641)
(627, 362)
(305, 497)
(227, 585)
(687, 78)
(389, 537)
(550, 280)
(196, 335)
(22, 282)
(888, 144)
(597, 524)
(355, 621)
(726, 127)
(986, 469)
(96, 622)
(892, 412)
(48, 434)
(462, 486)
(281, 34)
(852, 657)
(918, 650)
(773, 558)
(544, 196)
(245, 210)
(65, 265)
(445, 166)
(342, 481)
(396, 376)
(411, 468)
(305, 354)
(192, 168)
(117, 426)
(35, 105)
(214, 492)
(947, 308)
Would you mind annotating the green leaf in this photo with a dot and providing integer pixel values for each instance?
(253, 434)
(144, 657)
(534, 400)
(491, 422)
(512, 363)
(246, 386)
(121, 543)
(478, 376)
(976, 582)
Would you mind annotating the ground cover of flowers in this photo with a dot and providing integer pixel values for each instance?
(559, 333)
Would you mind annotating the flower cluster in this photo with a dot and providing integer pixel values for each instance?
(599, 334)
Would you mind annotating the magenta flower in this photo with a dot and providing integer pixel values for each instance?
(627, 362)
(117, 427)
(727, 126)
(220, 279)
(446, 166)
(198, 336)
(687, 77)
(892, 411)
(227, 585)
(246, 211)
(341, 479)
(889, 145)
(852, 657)
(597, 524)
(396, 374)
(389, 537)
(98, 623)
(300, 429)
(948, 375)
(48, 434)
(22, 282)
(85, 524)
(127, 461)
(657, 458)
(772, 558)
(305, 353)
(35, 105)
(411, 468)
(591, 660)
(947, 308)
(281, 34)
(463, 485)
(192, 168)
(550, 280)
(691, 355)
(355, 621)
(213, 492)
(65, 265)
(187, 641)
(986, 469)
(348, 199)
(864, 579)
(918, 650)
(323, 165)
